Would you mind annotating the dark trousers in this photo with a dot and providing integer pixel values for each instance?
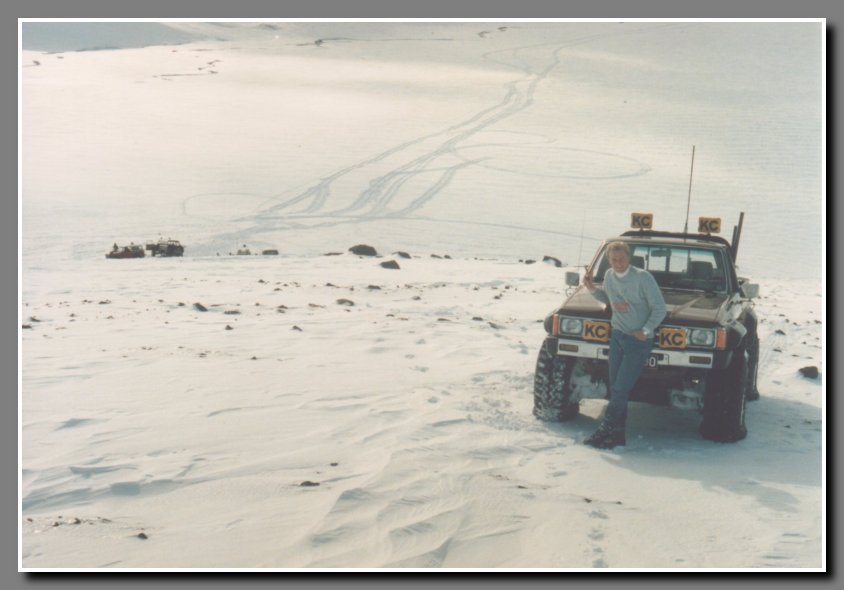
(628, 356)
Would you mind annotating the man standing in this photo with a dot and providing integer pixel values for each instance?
(637, 309)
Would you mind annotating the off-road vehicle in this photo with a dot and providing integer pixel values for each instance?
(706, 350)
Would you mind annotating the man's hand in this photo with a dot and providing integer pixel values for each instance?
(587, 281)
(639, 334)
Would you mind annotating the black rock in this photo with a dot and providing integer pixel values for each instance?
(308, 484)
(297, 328)
(363, 250)
(810, 372)
(199, 307)
(402, 254)
(229, 328)
(551, 260)
(391, 264)
(142, 536)
(348, 302)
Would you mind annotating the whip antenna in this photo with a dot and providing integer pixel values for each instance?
(689, 201)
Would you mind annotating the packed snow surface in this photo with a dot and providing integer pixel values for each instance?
(313, 409)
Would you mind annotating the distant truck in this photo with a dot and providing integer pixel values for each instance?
(130, 251)
(706, 350)
(164, 247)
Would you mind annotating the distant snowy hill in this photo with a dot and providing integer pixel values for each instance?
(91, 36)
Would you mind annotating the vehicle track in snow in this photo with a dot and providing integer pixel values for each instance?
(432, 161)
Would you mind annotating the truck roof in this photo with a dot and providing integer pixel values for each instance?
(666, 237)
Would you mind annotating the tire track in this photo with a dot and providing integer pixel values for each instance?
(534, 62)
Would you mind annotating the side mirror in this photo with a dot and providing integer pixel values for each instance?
(750, 290)
(572, 279)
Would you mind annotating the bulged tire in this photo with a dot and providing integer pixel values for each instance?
(552, 388)
(752, 367)
(725, 400)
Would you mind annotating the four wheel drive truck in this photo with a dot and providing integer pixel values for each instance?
(706, 350)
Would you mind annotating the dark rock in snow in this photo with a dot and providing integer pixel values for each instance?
(199, 307)
(374, 288)
(142, 536)
(551, 260)
(391, 264)
(333, 254)
(231, 312)
(402, 254)
(229, 327)
(530, 261)
(780, 332)
(810, 372)
(348, 302)
(308, 484)
(297, 328)
(435, 256)
(363, 250)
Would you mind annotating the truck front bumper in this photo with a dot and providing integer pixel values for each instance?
(659, 357)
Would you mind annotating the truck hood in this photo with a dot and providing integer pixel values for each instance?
(692, 307)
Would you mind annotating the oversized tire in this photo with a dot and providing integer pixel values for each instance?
(725, 400)
(752, 367)
(552, 388)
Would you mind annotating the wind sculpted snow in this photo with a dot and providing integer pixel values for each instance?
(313, 411)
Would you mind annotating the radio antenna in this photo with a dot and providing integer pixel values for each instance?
(582, 224)
(689, 201)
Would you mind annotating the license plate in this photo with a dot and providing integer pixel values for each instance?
(596, 331)
(654, 360)
(672, 338)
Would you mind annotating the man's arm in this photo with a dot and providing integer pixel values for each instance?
(656, 303)
(596, 292)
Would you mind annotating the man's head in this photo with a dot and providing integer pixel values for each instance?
(619, 255)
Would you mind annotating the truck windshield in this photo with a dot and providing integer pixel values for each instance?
(679, 267)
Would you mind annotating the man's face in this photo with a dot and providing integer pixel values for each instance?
(619, 260)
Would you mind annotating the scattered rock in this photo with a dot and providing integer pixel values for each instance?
(297, 328)
(26, 327)
(363, 250)
(308, 484)
(232, 312)
(436, 256)
(391, 264)
(199, 307)
(333, 254)
(374, 288)
(551, 260)
(105, 302)
(402, 254)
(334, 464)
(477, 318)
(348, 302)
(780, 332)
(229, 327)
(142, 536)
(810, 372)
(529, 261)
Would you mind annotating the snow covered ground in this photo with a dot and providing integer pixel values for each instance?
(326, 412)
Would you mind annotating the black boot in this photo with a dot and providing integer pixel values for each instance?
(606, 438)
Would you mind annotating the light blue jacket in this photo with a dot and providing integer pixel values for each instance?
(635, 298)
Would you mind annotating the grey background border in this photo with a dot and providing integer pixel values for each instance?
(11, 10)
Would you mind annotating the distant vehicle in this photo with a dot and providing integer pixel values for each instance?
(164, 247)
(270, 252)
(130, 251)
(706, 354)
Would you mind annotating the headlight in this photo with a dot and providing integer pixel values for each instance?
(702, 337)
(571, 326)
